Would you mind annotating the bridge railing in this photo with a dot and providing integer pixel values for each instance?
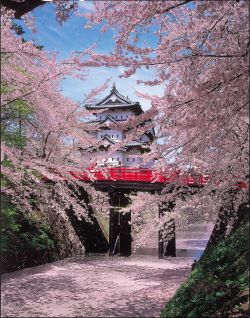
(139, 175)
(145, 175)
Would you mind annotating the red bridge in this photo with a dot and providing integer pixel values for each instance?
(139, 175)
(118, 183)
(145, 176)
(148, 176)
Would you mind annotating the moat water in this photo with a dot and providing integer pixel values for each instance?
(190, 242)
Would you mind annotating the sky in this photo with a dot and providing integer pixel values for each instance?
(71, 36)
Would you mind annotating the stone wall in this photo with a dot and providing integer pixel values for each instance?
(67, 242)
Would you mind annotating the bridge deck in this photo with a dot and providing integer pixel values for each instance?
(139, 175)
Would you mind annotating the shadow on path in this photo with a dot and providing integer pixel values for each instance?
(93, 287)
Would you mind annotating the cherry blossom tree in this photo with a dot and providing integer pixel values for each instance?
(201, 59)
(63, 8)
(202, 121)
(42, 131)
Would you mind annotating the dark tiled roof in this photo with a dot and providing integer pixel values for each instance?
(134, 143)
(136, 107)
(121, 102)
(109, 139)
(114, 91)
(107, 118)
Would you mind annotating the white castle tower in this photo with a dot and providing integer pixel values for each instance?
(116, 108)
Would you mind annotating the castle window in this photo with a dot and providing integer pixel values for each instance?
(117, 158)
(112, 136)
(121, 116)
(133, 159)
(117, 136)
(127, 159)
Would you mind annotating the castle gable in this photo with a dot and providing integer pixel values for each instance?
(116, 101)
(115, 98)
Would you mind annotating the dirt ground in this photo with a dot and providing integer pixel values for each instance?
(137, 286)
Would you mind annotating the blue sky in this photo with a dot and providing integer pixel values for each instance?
(71, 36)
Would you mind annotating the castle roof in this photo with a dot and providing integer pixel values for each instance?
(115, 100)
(107, 121)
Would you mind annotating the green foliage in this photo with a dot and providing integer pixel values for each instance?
(9, 227)
(14, 120)
(219, 283)
(25, 241)
(4, 88)
(14, 138)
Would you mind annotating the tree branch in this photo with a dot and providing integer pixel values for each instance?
(173, 7)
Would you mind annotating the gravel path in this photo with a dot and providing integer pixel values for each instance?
(93, 287)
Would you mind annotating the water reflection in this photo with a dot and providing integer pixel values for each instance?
(195, 254)
(190, 242)
(190, 253)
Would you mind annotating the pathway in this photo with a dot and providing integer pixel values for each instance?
(138, 286)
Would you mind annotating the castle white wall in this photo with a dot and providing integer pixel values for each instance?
(119, 158)
(115, 134)
(115, 114)
(132, 157)
(115, 159)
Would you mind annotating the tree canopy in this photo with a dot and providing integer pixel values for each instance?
(200, 57)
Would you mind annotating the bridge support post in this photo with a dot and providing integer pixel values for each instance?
(166, 235)
(119, 226)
